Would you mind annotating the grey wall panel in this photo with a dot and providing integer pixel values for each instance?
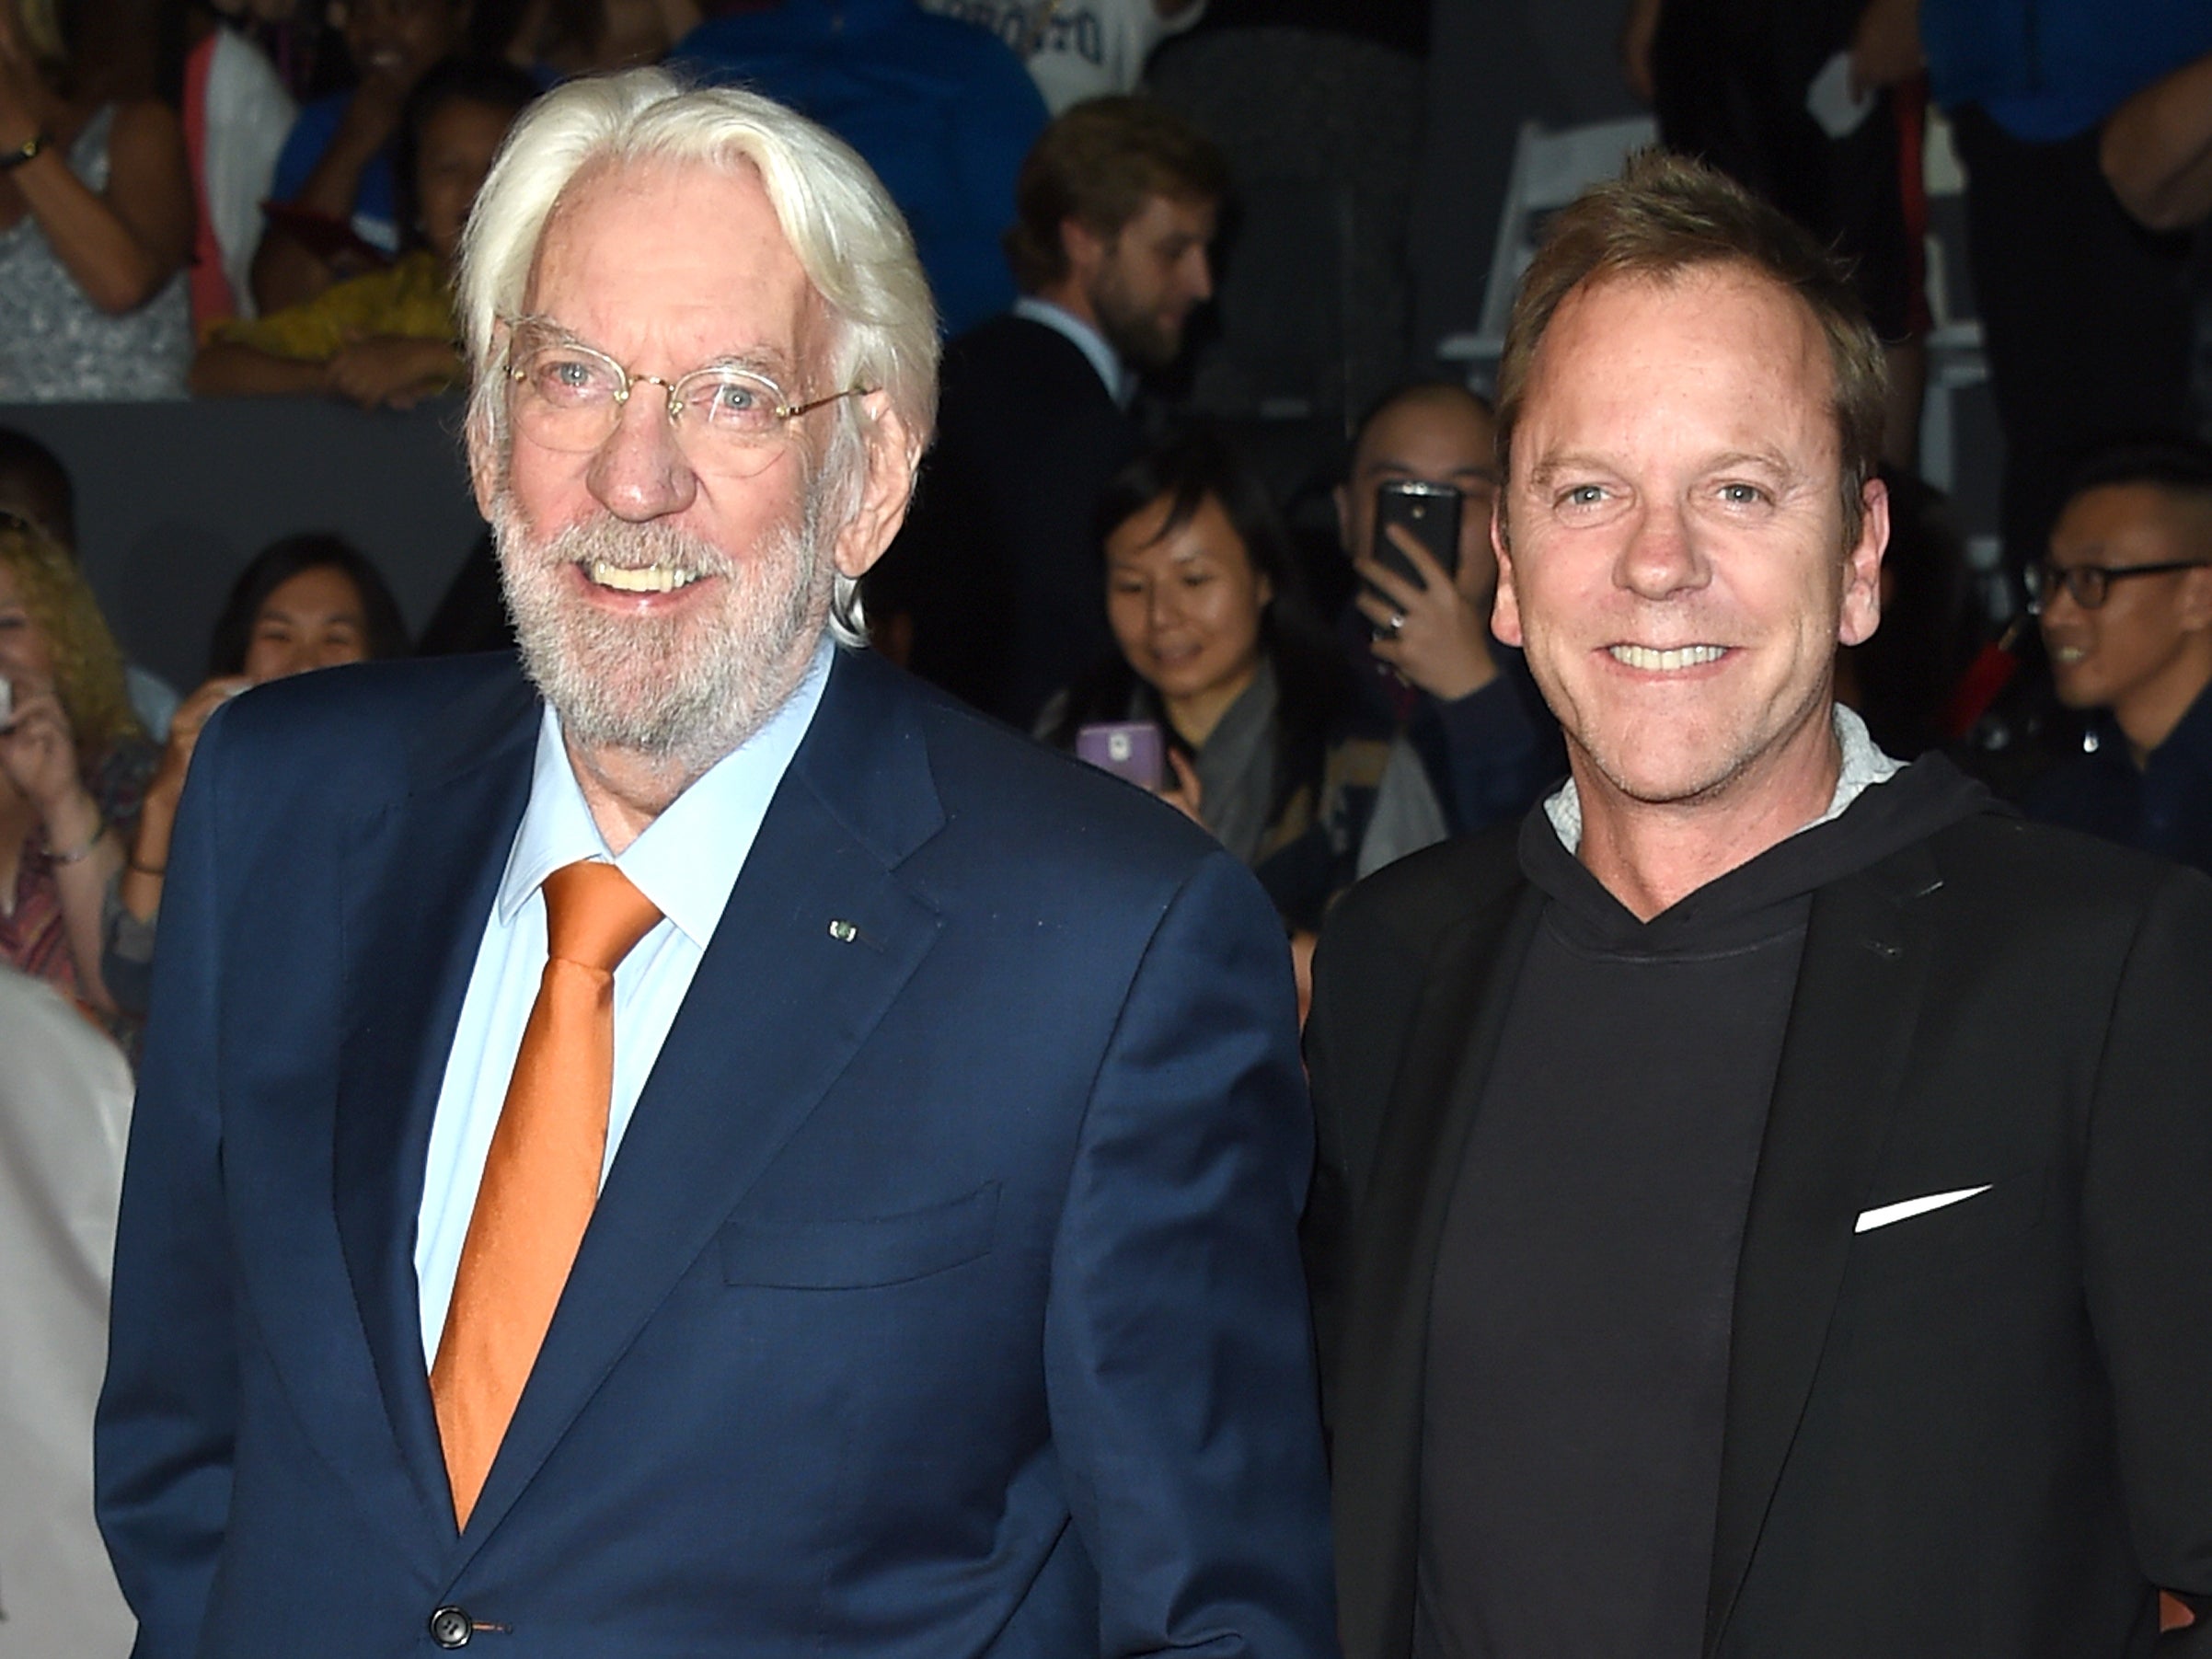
(174, 498)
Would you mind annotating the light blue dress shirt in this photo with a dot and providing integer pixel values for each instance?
(1121, 385)
(685, 863)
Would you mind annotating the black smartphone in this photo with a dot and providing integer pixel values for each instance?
(1430, 513)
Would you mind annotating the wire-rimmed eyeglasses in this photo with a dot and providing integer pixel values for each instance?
(569, 397)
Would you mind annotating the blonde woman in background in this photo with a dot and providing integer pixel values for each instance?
(73, 765)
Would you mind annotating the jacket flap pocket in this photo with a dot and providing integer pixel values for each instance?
(809, 1253)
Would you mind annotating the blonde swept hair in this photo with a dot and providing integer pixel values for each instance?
(1667, 215)
(840, 222)
(88, 664)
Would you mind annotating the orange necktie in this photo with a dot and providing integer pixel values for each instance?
(541, 1177)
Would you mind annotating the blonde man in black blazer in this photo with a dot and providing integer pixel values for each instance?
(1762, 1206)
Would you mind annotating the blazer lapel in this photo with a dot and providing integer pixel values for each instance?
(778, 1007)
(1859, 992)
(419, 878)
(1449, 1052)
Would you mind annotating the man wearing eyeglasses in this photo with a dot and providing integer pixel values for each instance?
(2124, 599)
(714, 1149)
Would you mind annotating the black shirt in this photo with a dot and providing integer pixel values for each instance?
(2164, 807)
(1579, 1325)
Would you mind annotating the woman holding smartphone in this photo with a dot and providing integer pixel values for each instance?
(304, 602)
(1258, 720)
(73, 765)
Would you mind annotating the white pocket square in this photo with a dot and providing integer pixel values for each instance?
(1905, 1209)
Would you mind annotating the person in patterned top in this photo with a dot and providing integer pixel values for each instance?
(73, 764)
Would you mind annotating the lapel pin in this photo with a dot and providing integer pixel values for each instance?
(844, 932)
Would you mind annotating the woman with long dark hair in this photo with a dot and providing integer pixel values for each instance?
(303, 602)
(1217, 643)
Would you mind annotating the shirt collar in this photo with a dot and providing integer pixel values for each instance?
(1119, 384)
(688, 858)
(2189, 741)
(1864, 765)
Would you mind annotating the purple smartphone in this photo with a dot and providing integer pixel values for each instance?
(1131, 749)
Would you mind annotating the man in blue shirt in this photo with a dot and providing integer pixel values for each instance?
(943, 111)
(2086, 315)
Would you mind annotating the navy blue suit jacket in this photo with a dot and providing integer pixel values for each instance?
(943, 1298)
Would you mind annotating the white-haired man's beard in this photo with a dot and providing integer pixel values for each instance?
(688, 687)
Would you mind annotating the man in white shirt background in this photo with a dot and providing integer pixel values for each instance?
(995, 587)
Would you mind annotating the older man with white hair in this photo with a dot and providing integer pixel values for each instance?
(707, 1149)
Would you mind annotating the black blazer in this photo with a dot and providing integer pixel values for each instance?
(1985, 1430)
(997, 566)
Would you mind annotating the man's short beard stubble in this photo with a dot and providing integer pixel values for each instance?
(1141, 338)
(686, 689)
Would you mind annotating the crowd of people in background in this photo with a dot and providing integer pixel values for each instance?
(276, 203)
(96, 751)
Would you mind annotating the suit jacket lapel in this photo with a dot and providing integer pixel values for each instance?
(1449, 1051)
(1859, 992)
(775, 1012)
(420, 877)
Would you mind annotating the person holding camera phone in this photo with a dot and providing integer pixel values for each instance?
(1414, 514)
(303, 602)
(73, 764)
(1223, 680)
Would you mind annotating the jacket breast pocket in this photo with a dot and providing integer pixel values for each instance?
(1956, 1238)
(840, 1253)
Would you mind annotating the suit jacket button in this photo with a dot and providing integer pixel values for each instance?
(451, 1626)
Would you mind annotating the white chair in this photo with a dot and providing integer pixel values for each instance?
(1956, 362)
(1549, 170)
